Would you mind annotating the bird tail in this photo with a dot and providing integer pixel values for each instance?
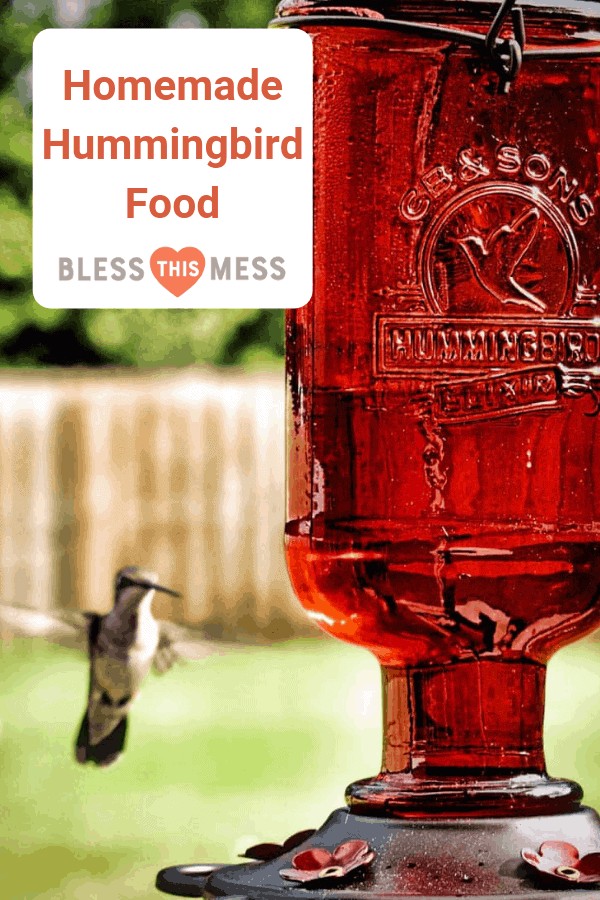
(104, 753)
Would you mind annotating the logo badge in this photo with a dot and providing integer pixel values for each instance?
(495, 319)
(499, 249)
(177, 271)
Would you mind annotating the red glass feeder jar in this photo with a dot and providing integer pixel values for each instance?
(444, 461)
(444, 443)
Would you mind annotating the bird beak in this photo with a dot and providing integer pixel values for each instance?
(156, 587)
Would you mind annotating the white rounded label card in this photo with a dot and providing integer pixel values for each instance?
(172, 168)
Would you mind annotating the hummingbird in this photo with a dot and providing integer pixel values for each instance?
(123, 646)
(495, 257)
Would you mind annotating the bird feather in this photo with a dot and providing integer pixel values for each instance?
(70, 628)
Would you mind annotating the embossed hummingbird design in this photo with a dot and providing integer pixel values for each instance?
(122, 646)
(495, 257)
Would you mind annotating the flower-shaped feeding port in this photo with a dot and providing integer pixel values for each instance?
(557, 859)
(318, 863)
(266, 852)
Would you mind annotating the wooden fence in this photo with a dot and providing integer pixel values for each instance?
(180, 471)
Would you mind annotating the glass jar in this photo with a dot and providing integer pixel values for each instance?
(444, 477)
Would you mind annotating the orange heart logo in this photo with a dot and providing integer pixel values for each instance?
(177, 271)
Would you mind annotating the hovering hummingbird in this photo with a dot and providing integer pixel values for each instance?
(122, 645)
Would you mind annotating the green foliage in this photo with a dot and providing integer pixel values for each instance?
(153, 337)
(32, 335)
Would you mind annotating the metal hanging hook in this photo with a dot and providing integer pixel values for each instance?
(506, 55)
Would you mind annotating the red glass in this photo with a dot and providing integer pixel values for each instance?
(444, 479)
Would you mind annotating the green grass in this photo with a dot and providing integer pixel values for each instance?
(239, 748)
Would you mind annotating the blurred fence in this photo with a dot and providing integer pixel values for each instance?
(178, 471)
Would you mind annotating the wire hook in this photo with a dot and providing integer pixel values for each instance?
(506, 55)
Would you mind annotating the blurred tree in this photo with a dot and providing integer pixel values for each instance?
(33, 335)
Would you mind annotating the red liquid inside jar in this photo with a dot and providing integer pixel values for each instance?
(444, 478)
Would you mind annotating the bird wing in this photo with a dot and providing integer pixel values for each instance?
(178, 642)
(515, 238)
(69, 628)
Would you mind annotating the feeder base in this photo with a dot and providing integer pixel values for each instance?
(436, 858)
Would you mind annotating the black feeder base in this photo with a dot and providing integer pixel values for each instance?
(441, 858)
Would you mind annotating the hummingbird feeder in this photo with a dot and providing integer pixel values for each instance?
(444, 443)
